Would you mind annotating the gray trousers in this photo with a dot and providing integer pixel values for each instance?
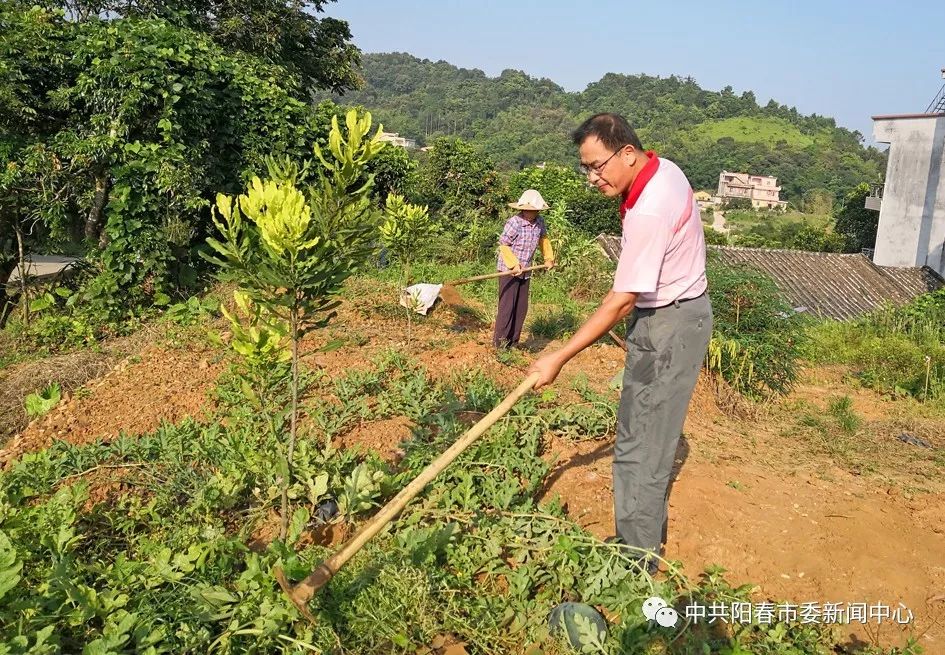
(665, 351)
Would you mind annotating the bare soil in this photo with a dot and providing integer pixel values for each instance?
(134, 397)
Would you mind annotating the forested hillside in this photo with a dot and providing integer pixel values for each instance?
(520, 120)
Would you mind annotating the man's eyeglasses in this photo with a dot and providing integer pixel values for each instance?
(586, 170)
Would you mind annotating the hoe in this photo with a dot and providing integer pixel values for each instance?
(300, 594)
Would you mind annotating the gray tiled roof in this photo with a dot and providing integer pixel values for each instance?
(831, 285)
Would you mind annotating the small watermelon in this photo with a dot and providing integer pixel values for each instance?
(564, 618)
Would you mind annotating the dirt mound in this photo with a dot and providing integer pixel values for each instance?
(135, 397)
(703, 409)
(69, 371)
(384, 437)
(822, 385)
(449, 359)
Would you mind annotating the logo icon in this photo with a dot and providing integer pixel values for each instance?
(652, 606)
(667, 617)
(657, 609)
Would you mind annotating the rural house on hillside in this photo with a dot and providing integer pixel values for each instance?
(762, 190)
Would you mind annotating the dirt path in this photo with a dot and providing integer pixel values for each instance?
(718, 222)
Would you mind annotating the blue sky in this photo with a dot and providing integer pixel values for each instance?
(850, 60)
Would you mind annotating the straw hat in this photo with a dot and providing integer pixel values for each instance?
(532, 200)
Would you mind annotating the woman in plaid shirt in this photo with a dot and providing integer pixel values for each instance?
(522, 235)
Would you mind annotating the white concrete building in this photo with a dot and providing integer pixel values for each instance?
(395, 139)
(912, 202)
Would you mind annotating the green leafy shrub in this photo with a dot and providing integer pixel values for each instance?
(290, 252)
(757, 338)
(714, 237)
(404, 232)
(191, 311)
(122, 127)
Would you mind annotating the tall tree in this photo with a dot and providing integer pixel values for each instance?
(289, 33)
(855, 222)
(455, 177)
(121, 130)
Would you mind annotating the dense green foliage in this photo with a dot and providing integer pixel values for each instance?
(121, 131)
(589, 210)
(778, 229)
(757, 337)
(519, 120)
(855, 223)
(119, 128)
(288, 33)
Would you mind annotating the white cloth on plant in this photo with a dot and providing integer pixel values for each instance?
(420, 297)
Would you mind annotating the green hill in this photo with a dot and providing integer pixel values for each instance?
(519, 120)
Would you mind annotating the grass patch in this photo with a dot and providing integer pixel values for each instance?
(900, 351)
(832, 432)
(511, 357)
(755, 129)
(841, 411)
(559, 324)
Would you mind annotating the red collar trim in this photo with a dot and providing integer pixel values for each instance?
(640, 182)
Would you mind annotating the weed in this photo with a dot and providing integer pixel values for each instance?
(834, 432)
(841, 410)
(510, 357)
(192, 311)
(39, 404)
(757, 338)
(894, 349)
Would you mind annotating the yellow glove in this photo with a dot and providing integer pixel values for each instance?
(547, 254)
(508, 256)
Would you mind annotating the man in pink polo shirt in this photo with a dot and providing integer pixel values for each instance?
(660, 277)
